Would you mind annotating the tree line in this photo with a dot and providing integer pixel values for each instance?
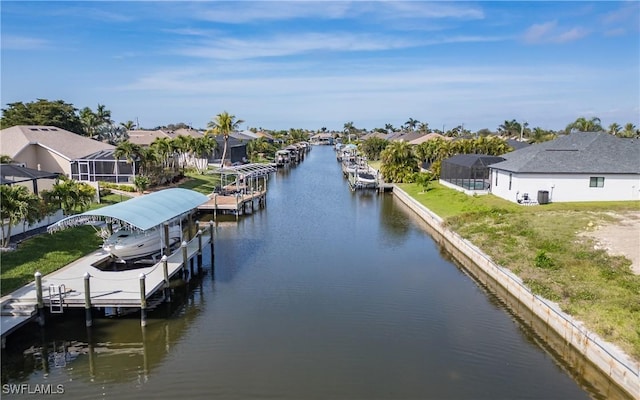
(509, 128)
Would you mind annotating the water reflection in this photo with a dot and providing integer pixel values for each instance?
(112, 351)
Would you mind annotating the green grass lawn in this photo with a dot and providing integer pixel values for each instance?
(49, 252)
(201, 183)
(45, 253)
(545, 246)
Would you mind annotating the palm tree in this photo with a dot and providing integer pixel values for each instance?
(202, 148)
(411, 124)
(89, 121)
(399, 162)
(129, 125)
(5, 159)
(223, 124)
(184, 148)
(585, 125)
(164, 149)
(349, 129)
(71, 195)
(16, 204)
(540, 135)
(130, 152)
(630, 130)
(615, 129)
(424, 127)
(103, 115)
(389, 128)
(510, 128)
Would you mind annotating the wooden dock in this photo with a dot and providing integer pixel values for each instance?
(237, 203)
(82, 284)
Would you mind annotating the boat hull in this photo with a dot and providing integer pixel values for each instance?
(126, 244)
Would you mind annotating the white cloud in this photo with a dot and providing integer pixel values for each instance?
(549, 32)
(292, 44)
(244, 12)
(12, 42)
(285, 45)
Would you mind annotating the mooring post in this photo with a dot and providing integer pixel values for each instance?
(143, 301)
(87, 300)
(165, 269)
(211, 244)
(199, 235)
(192, 261)
(237, 206)
(167, 239)
(190, 222)
(215, 205)
(39, 298)
(185, 259)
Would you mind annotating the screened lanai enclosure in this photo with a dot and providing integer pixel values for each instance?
(469, 171)
(103, 166)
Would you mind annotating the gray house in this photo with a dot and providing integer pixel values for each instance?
(582, 166)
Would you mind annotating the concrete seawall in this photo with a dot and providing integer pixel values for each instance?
(561, 332)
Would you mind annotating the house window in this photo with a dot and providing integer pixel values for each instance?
(510, 176)
(596, 181)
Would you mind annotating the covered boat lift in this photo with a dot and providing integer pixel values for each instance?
(239, 186)
(143, 213)
(85, 284)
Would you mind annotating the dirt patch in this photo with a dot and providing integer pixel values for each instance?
(621, 237)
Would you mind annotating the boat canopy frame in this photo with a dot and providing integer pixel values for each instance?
(140, 213)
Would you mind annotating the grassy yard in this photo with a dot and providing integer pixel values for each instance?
(545, 246)
(45, 253)
(201, 183)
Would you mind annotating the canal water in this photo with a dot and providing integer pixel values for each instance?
(325, 293)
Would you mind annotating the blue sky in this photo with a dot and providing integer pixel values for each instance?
(308, 64)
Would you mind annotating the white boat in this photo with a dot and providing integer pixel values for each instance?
(282, 158)
(128, 244)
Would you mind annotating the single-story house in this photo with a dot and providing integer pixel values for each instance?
(581, 166)
(429, 136)
(324, 138)
(47, 148)
(237, 151)
(143, 137)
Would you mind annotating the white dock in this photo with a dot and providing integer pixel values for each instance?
(106, 288)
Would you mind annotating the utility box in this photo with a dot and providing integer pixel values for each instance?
(543, 197)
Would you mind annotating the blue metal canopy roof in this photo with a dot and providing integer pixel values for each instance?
(143, 213)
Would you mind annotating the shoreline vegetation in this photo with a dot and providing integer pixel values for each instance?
(544, 246)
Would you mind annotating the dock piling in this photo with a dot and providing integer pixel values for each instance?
(87, 300)
(199, 256)
(39, 298)
(143, 301)
(165, 268)
(185, 260)
(212, 246)
(167, 239)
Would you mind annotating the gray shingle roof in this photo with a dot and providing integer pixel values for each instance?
(579, 152)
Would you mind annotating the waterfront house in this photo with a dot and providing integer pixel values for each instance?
(581, 166)
(47, 148)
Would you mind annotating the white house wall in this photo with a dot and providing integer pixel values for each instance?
(565, 187)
